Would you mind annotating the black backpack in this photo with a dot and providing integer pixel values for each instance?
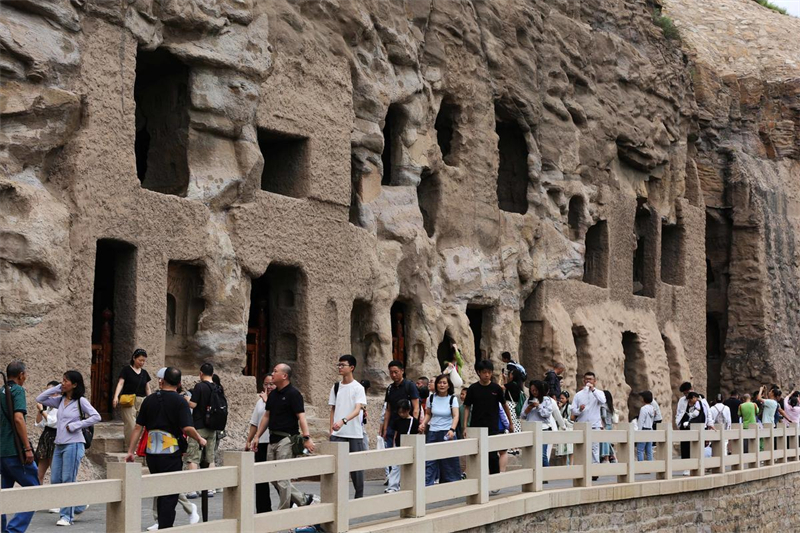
(217, 409)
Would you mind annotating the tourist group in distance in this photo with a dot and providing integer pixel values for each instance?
(173, 428)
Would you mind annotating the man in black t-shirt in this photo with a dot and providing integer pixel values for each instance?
(733, 404)
(199, 402)
(166, 417)
(482, 407)
(284, 415)
(400, 389)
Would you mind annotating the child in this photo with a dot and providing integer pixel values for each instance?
(404, 425)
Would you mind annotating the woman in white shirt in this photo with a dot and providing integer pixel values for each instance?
(441, 421)
(539, 408)
(47, 418)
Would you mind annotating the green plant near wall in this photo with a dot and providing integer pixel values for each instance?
(667, 26)
(770, 5)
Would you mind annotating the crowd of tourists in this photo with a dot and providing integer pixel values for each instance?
(176, 429)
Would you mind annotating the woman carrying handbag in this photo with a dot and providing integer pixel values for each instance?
(132, 388)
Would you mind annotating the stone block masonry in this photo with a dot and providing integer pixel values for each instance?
(767, 505)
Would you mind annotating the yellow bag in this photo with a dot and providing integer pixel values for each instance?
(127, 400)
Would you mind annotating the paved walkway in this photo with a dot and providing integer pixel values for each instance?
(93, 520)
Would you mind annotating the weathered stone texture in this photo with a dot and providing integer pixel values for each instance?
(562, 210)
(766, 505)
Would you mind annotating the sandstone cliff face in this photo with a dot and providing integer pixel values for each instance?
(274, 178)
(746, 71)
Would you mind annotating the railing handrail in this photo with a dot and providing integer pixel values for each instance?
(125, 487)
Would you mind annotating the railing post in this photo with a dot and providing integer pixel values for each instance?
(532, 456)
(769, 446)
(791, 441)
(664, 452)
(412, 476)
(698, 450)
(780, 436)
(125, 516)
(238, 503)
(627, 453)
(737, 447)
(582, 455)
(478, 465)
(718, 448)
(334, 487)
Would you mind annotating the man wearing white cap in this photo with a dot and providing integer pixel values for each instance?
(190, 508)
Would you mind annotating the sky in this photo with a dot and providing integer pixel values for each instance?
(792, 6)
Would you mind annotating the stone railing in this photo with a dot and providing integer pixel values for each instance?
(125, 487)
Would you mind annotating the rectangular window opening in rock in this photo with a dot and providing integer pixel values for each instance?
(429, 198)
(113, 319)
(635, 371)
(479, 321)
(399, 317)
(444, 352)
(595, 265)
(512, 172)
(445, 126)
(286, 163)
(672, 254)
(276, 319)
(161, 93)
(575, 216)
(392, 131)
(715, 352)
(185, 304)
(580, 337)
(364, 338)
(644, 271)
(675, 371)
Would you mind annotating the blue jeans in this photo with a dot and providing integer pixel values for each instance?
(643, 448)
(546, 452)
(66, 460)
(13, 470)
(389, 443)
(445, 470)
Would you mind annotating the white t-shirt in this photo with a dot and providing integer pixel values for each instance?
(441, 412)
(255, 419)
(345, 402)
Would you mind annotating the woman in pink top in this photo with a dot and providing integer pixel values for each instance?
(791, 407)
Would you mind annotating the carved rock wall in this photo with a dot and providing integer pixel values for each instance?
(598, 106)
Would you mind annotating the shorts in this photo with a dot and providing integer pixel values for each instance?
(193, 454)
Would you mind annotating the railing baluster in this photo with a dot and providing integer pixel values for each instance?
(532, 456)
(698, 450)
(334, 488)
(412, 476)
(664, 452)
(478, 465)
(627, 452)
(718, 448)
(125, 516)
(582, 455)
(238, 502)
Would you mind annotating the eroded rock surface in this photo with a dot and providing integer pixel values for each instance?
(254, 182)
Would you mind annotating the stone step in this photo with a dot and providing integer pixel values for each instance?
(114, 428)
(107, 445)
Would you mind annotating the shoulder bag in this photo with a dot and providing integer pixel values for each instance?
(88, 432)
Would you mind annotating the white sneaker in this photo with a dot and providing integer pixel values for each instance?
(63, 522)
(153, 527)
(192, 495)
(193, 516)
(493, 492)
(54, 510)
(390, 490)
(685, 472)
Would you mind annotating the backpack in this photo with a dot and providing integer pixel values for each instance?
(217, 409)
